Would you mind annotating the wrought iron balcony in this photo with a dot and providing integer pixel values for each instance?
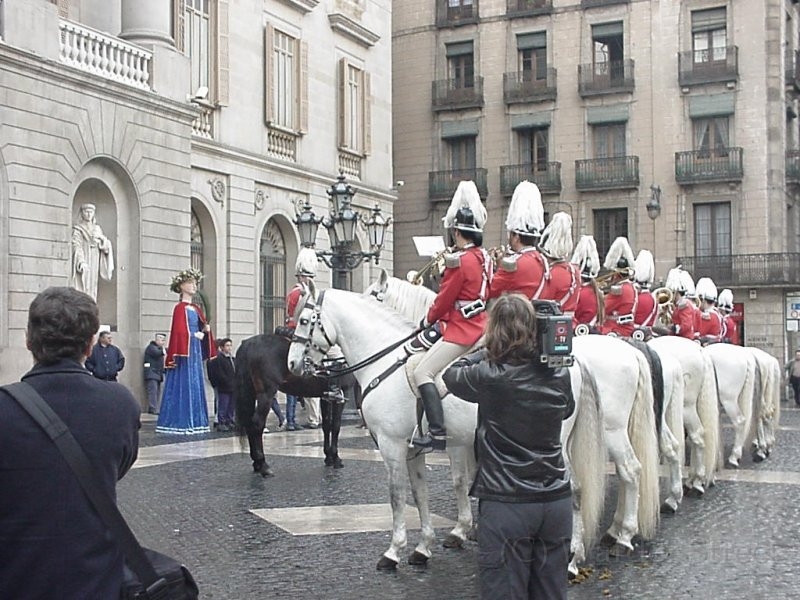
(463, 13)
(605, 78)
(528, 8)
(593, 3)
(777, 269)
(792, 62)
(442, 184)
(455, 94)
(522, 87)
(617, 173)
(697, 67)
(707, 166)
(793, 167)
(547, 176)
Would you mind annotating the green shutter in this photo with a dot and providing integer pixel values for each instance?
(526, 41)
(708, 20)
(528, 120)
(607, 29)
(458, 48)
(715, 105)
(614, 113)
(454, 129)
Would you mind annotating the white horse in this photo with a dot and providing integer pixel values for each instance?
(736, 386)
(622, 377)
(767, 403)
(700, 410)
(338, 317)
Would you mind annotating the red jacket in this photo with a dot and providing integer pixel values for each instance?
(522, 272)
(730, 330)
(291, 304)
(563, 284)
(696, 317)
(586, 310)
(646, 309)
(620, 305)
(466, 278)
(710, 326)
(180, 338)
(683, 318)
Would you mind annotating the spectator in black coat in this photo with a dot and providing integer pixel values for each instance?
(222, 376)
(53, 545)
(106, 359)
(154, 372)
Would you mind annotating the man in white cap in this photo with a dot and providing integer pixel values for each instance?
(730, 330)
(681, 284)
(620, 299)
(709, 329)
(589, 311)
(562, 278)
(646, 305)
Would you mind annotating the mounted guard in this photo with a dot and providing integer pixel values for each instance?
(458, 311)
(522, 269)
(709, 330)
(562, 279)
(644, 271)
(680, 283)
(730, 330)
(620, 298)
(589, 311)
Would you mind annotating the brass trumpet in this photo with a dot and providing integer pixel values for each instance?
(436, 262)
(605, 280)
(664, 298)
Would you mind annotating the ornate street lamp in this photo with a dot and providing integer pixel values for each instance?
(654, 205)
(341, 224)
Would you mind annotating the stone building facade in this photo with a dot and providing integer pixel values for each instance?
(672, 122)
(196, 127)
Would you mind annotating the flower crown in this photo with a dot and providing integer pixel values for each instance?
(185, 275)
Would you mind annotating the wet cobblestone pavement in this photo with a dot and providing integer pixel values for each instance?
(740, 541)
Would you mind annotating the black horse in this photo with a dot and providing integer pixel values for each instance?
(260, 372)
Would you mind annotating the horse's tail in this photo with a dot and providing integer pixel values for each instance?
(642, 433)
(243, 392)
(708, 412)
(749, 399)
(587, 451)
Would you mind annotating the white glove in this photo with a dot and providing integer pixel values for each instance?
(199, 335)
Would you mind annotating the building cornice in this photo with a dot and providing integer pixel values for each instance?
(349, 28)
(28, 64)
(303, 6)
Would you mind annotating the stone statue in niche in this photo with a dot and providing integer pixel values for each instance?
(92, 254)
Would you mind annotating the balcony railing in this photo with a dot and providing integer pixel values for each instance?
(593, 3)
(454, 94)
(793, 167)
(705, 166)
(546, 176)
(776, 269)
(103, 55)
(697, 67)
(522, 87)
(605, 78)
(463, 12)
(619, 172)
(442, 184)
(528, 8)
(792, 60)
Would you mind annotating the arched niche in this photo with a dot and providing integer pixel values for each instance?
(275, 271)
(106, 183)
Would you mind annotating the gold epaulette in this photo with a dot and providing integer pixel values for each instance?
(509, 263)
(452, 261)
(615, 290)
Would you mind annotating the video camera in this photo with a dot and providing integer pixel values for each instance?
(554, 334)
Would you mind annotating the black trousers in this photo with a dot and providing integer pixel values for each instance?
(795, 381)
(523, 549)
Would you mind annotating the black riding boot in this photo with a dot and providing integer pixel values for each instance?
(432, 403)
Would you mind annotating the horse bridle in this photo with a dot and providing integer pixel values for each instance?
(316, 318)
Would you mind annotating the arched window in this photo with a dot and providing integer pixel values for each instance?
(272, 261)
(197, 249)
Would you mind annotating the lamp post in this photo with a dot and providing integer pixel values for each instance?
(653, 207)
(341, 223)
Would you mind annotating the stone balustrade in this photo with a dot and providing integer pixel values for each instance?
(203, 125)
(103, 55)
(281, 144)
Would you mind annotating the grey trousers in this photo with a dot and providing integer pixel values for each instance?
(523, 549)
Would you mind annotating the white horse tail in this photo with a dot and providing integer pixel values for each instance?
(750, 398)
(587, 451)
(708, 411)
(642, 433)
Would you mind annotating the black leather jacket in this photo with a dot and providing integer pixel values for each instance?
(520, 410)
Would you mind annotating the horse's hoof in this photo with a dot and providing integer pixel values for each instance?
(328, 461)
(733, 463)
(608, 540)
(337, 463)
(453, 541)
(668, 509)
(758, 457)
(265, 471)
(694, 492)
(386, 564)
(418, 559)
(619, 550)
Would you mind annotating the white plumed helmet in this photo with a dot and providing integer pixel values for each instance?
(557, 236)
(706, 290)
(306, 263)
(586, 257)
(466, 211)
(619, 255)
(644, 268)
(525, 212)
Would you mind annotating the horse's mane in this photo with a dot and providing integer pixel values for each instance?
(412, 301)
(389, 314)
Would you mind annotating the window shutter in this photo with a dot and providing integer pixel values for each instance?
(302, 87)
(223, 58)
(269, 77)
(366, 96)
(177, 23)
(342, 134)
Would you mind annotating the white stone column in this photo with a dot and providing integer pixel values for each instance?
(147, 22)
